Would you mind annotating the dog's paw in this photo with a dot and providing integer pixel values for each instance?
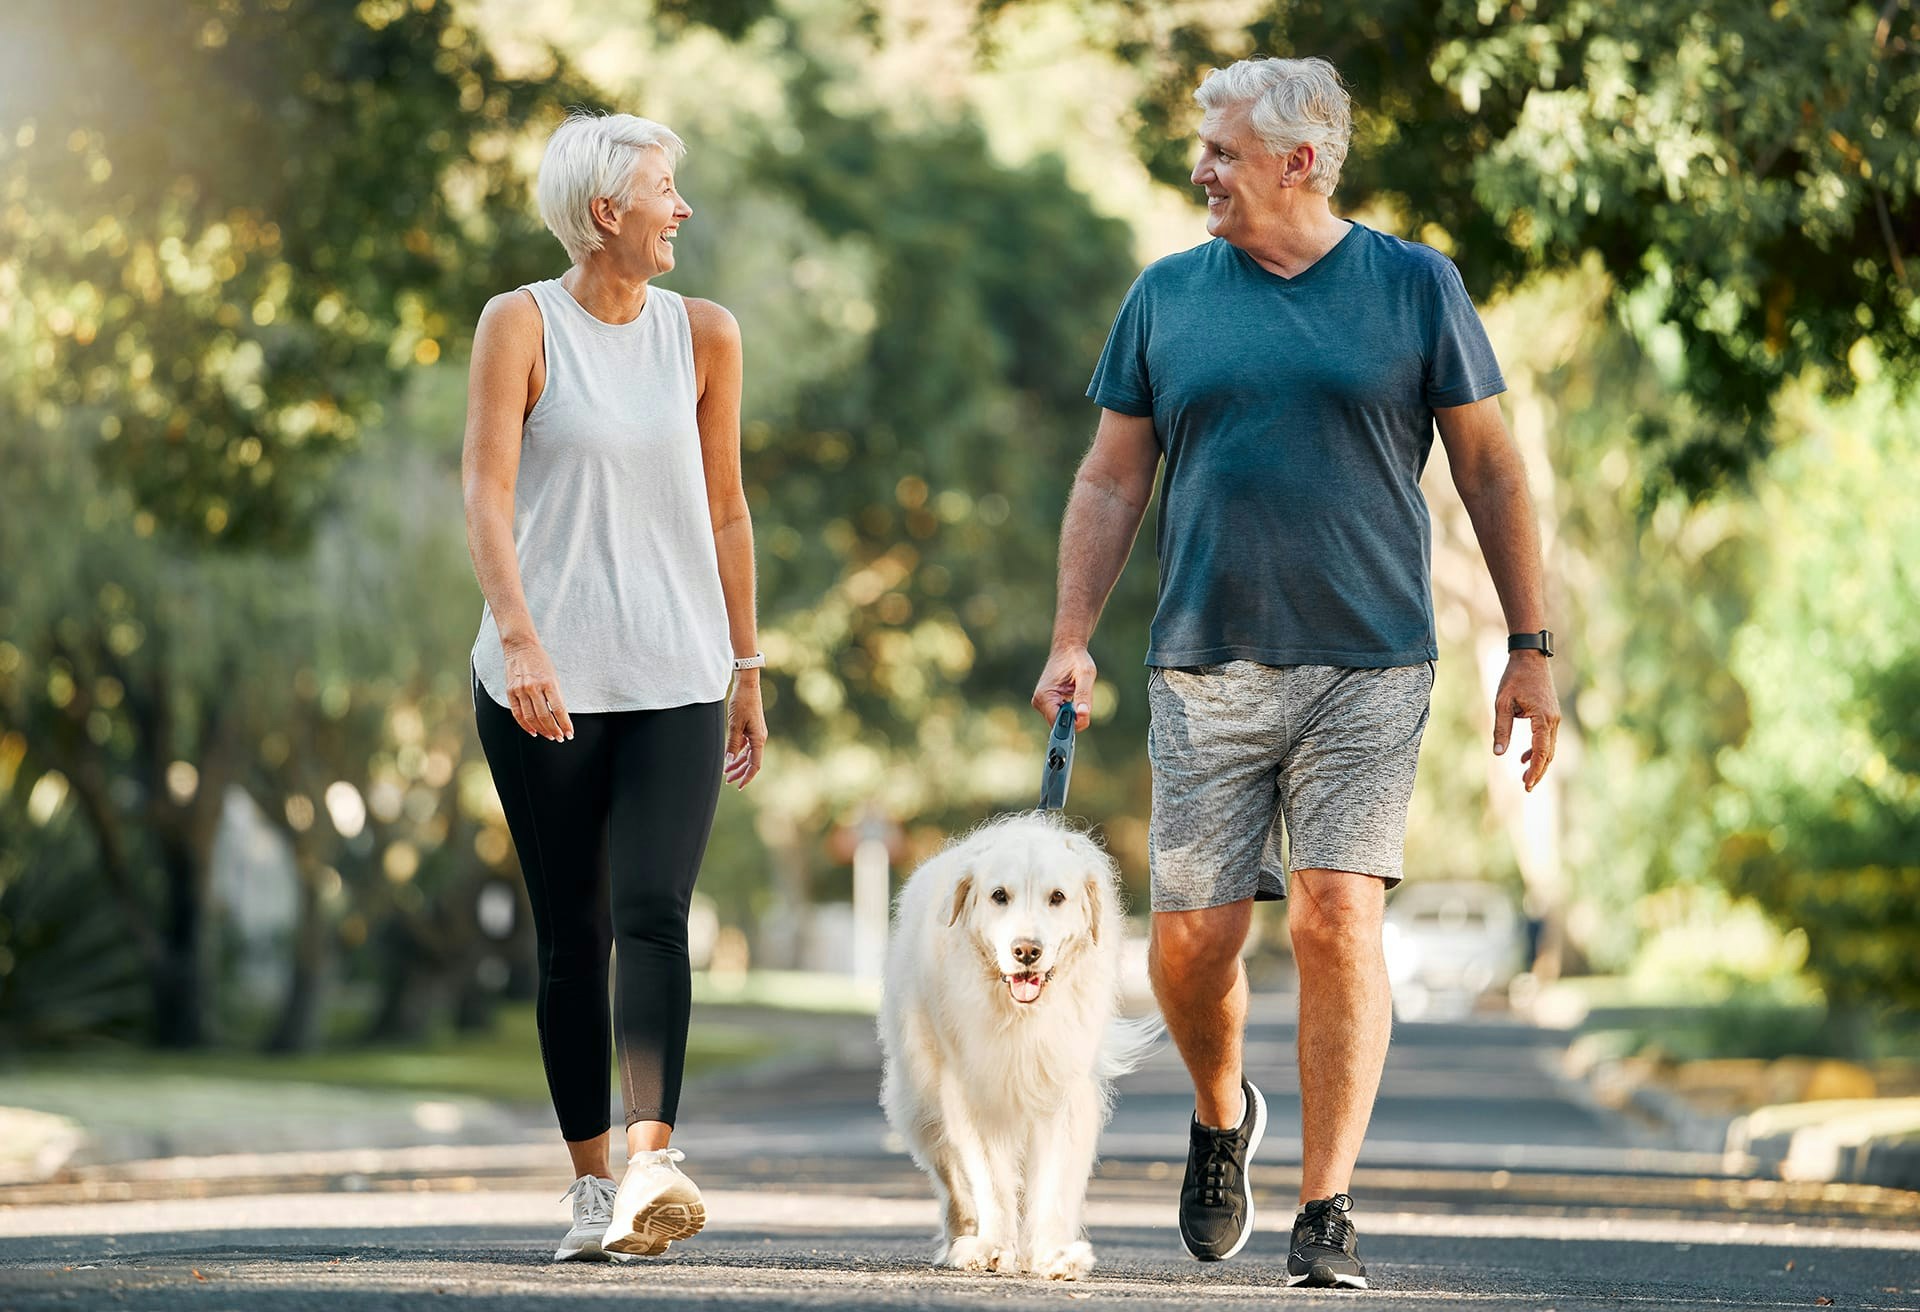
(972, 1253)
(1068, 1262)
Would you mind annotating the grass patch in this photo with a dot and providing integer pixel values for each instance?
(1739, 1028)
(790, 990)
(1699, 1034)
(502, 1063)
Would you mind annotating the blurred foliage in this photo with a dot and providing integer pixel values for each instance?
(228, 225)
(1745, 683)
(64, 969)
(1748, 175)
(919, 490)
(227, 230)
(491, 1065)
(1822, 800)
(169, 656)
(239, 262)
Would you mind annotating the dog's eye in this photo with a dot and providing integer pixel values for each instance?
(999, 897)
(1058, 899)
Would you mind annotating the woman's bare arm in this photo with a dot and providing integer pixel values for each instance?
(503, 382)
(718, 365)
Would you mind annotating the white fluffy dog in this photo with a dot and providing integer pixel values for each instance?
(998, 1021)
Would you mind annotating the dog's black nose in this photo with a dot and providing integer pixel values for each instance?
(1026, 951)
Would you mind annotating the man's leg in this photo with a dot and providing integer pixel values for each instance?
(1194, 962)
(1346, 1017)
(1197, 977)
(1215, 741)
(1344, 790)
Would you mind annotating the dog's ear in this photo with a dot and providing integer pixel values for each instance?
(961, 891)
(1100, 875)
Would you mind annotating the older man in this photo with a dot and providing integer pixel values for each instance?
(1291, 372)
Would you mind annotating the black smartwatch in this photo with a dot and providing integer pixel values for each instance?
(1541, 642)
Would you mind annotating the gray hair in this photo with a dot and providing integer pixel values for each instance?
(590, 156)
(1294, 102)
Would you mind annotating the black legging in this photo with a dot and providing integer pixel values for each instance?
(610, 828)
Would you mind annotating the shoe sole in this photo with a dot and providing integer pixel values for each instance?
(1334, 1282)
(1246, 1183)
(589, 1253)
(587, 1250)
(658, 1224)
(583, 1254)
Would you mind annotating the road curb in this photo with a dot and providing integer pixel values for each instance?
(1852, 1141)
(1838, 1141)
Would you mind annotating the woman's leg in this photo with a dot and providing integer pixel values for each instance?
(666, 785)
(556, 796)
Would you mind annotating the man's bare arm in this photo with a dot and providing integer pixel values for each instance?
(1109, 499)
(1492, 481)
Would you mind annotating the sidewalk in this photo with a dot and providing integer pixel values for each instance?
(73, 1133)
(1803, 1119)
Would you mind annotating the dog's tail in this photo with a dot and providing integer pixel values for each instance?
(1127, 1044)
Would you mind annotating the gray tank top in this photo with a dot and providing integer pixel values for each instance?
(610, 519)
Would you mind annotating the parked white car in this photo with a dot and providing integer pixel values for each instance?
(1449, 944)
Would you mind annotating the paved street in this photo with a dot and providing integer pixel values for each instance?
(1488, 1183)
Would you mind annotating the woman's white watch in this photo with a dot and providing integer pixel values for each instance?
(752, 662)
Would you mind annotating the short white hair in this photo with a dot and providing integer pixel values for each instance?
(590, 156)
(1294, 102)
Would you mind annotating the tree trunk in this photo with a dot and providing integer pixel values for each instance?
(184, 829)
(475, 1005)
(413, 992)
(302, 1011)
(180, 994)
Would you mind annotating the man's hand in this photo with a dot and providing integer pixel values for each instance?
(1069, 676)
(1526, 693)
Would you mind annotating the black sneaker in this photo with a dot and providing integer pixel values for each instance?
(1216, 1202)
(1326, 1253)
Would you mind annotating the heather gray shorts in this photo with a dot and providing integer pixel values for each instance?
(1240, 749)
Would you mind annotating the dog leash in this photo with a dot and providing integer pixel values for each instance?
(1059, 766)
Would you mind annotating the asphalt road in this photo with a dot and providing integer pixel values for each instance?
(1488, 1183)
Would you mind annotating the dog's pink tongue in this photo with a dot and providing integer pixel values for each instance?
(1025, 987)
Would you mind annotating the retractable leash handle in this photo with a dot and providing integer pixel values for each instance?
(1059, 767)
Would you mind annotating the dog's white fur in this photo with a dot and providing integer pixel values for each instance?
(1001, 1101)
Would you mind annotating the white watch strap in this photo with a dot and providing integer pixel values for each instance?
(752, 662)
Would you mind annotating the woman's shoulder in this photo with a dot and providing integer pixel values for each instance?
(509, 322)
(712, 323)
(709, 315)
(512, 310)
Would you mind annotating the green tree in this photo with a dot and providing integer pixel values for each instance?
(1748, 176)
(1820, 812)
(227, 230)
(911, 502)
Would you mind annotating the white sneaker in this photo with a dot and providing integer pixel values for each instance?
(655, 1206)
(592, 1198)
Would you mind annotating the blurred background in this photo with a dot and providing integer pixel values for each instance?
(245, 827)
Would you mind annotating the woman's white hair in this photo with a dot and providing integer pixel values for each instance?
(1294, 102)
(590, 156)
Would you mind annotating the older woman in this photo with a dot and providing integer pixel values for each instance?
(610, 535)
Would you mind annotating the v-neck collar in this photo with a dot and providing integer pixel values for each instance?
(1334, 253)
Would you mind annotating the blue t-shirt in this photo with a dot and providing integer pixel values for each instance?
(1295, 415)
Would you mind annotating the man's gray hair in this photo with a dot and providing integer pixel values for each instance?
(1293, 102)
(590, 156)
